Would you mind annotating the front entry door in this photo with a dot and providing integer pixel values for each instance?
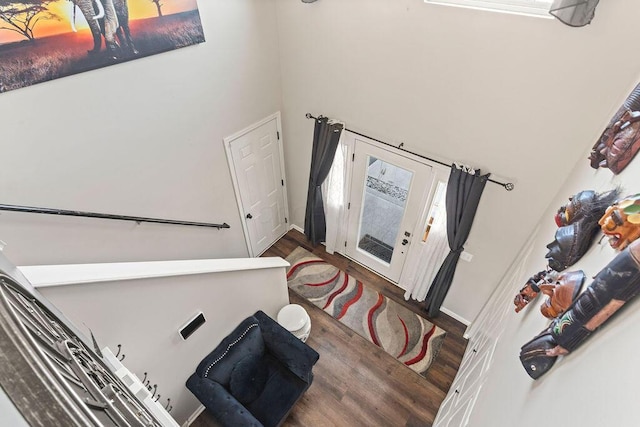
(387, 191)
(256, 164)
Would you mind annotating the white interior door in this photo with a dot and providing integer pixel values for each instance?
(387, 192)
(255, 157)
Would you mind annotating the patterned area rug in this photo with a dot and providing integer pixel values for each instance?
(398, 331)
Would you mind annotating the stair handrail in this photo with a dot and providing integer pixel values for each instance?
(137, 219)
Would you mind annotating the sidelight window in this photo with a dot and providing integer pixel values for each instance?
(438, 210)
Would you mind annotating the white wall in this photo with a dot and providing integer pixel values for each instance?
(125, 312)
(597, 384)
(518, 96)
(143, 138)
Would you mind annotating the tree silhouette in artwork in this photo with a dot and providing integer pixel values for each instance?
(159, 5)
(21, 16)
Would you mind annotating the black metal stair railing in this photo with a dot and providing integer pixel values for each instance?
(138, 219)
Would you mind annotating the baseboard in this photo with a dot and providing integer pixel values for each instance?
(297, 228)
(455, 316)
(466, 334)
(193, 416)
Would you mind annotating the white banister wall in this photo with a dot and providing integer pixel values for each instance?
(142, 305)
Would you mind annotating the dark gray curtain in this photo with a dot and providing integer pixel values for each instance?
(325, 142)
(576, 13)
(463, 196)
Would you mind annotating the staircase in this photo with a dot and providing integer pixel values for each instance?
(139, 308)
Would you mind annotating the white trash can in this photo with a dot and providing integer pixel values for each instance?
(296, 320)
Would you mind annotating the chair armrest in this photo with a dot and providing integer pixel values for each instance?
(293, 353)
(222, 405)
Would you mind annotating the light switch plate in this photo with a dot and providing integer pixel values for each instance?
(466, 256)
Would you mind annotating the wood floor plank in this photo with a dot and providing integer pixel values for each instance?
(356, 383)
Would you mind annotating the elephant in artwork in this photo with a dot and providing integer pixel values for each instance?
(101, 17)
(123, 32)
(108, 18)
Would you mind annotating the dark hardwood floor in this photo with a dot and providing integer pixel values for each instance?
(357, 383)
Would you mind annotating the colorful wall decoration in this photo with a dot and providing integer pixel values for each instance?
(620, 141)
(42, 40)
(574, 315)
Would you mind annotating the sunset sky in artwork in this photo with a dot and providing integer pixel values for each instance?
(64, 9)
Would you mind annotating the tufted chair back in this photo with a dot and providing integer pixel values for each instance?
(255, 375)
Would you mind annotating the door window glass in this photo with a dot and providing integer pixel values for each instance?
(385, 196)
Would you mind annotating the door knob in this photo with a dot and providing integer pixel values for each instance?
(249, 216)
(404, 242)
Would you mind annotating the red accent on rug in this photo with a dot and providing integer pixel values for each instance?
(293, 268)
(425, 346)
(372, 330)
(351, 301)
(339, 291)
(326, 282)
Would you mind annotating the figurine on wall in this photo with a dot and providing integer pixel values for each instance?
(614, 286)
(570, 244)
(578, 222)
(621, 222)
(562, 292)
(620, 141)
(531, 289)
(561, 289)
(586, 204)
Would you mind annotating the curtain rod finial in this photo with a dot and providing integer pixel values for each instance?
(308, 115)
(509, 186)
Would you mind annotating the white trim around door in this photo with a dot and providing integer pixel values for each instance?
(249, 187)
(386, 199)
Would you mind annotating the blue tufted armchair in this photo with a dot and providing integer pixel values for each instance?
(255, 376)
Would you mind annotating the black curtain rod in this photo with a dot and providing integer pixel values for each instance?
(30, 209)
(507, 185)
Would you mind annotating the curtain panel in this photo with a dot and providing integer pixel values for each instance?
(325, 142)
(334, 193)
(423, 262)
(464, 190)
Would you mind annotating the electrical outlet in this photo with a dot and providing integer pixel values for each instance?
(466, 256)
